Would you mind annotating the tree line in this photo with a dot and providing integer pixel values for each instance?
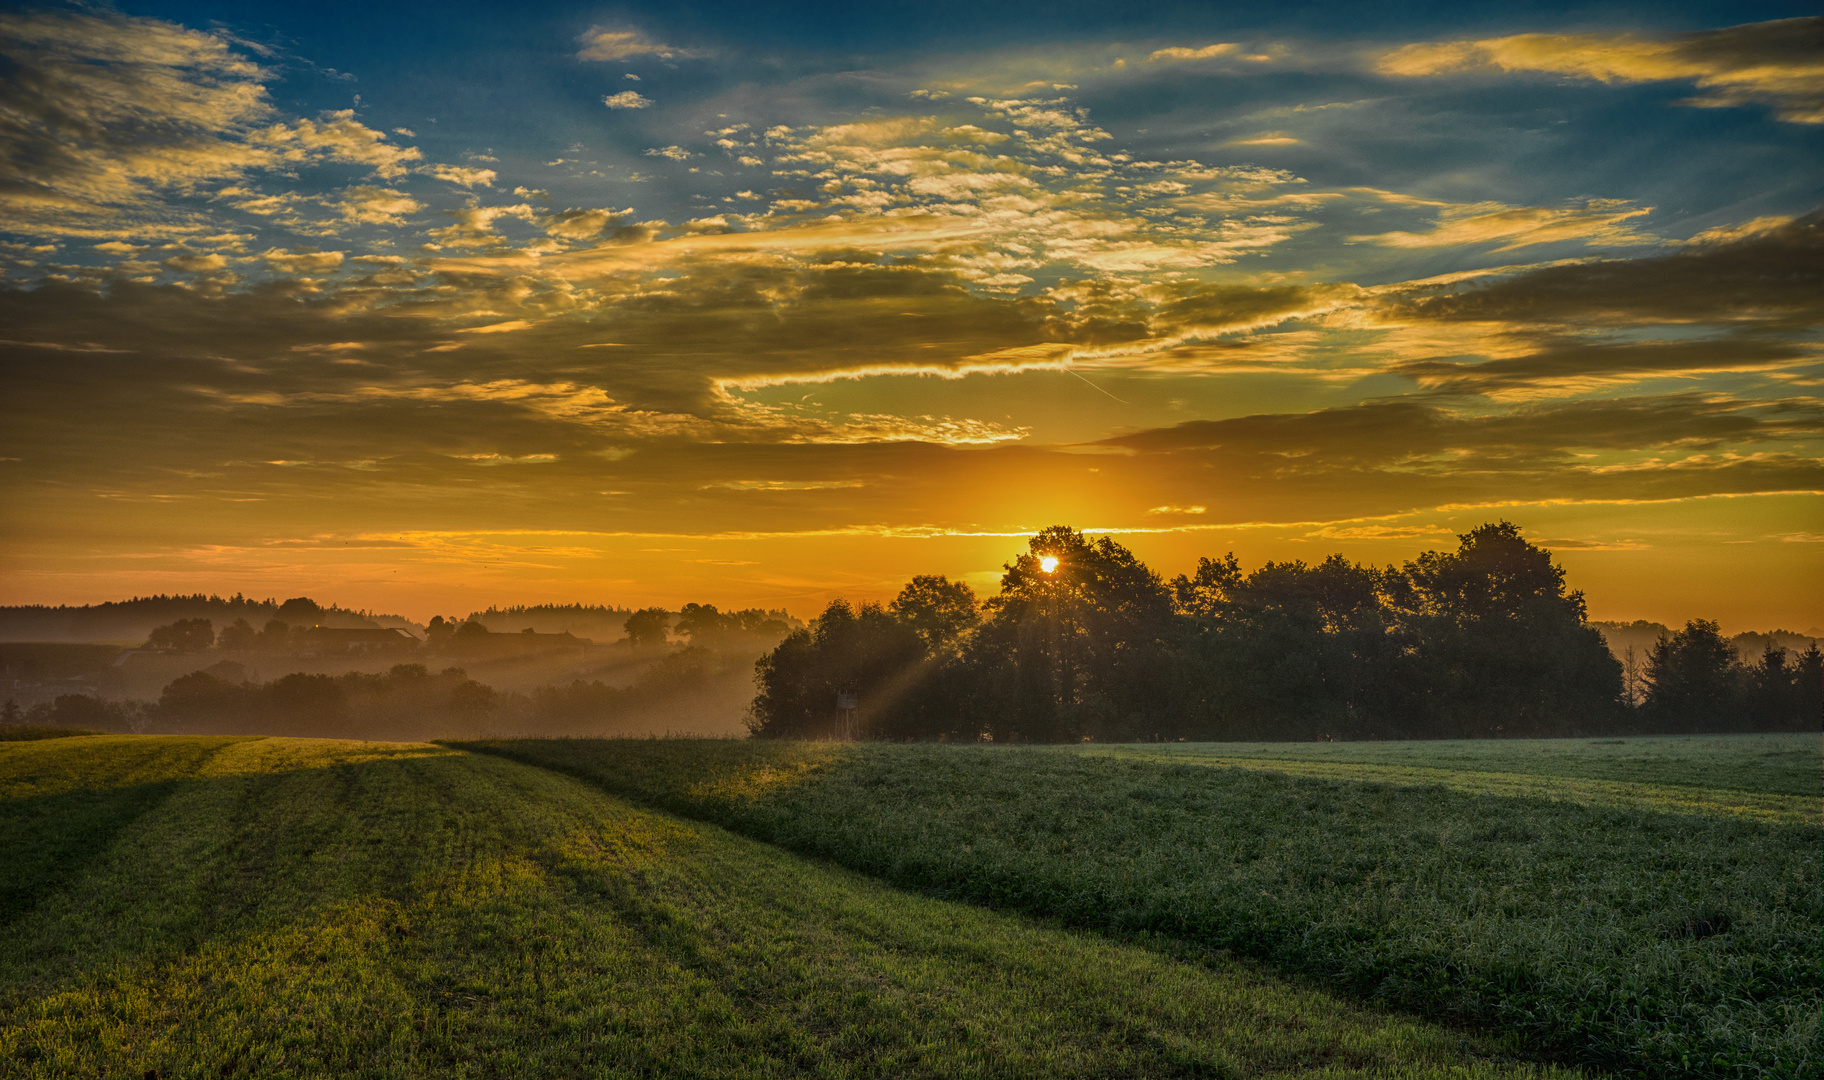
(1085, 642)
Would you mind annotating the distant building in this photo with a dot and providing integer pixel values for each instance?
(334, 641)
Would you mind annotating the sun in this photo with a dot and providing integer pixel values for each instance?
(1048, 563)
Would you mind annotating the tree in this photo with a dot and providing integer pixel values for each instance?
(301, 610)
(1069, 636)
(304, 704)
(936, 608)
(1692, 682)
(702, 624)
(202, 702)
(237, 636)
(184, 635)
(9, 712)
(647, 626)
(1498, 644)
(275, 636)
(869, 652)
(472, 701)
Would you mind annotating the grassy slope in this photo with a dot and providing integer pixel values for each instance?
(1772, 778)
(30, 732)
(1586, 928)
(303, 908)
(1772, 764)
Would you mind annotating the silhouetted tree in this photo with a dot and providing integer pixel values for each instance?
(1692, 681)
(237, 636)
(1289, 651)
(305, 704)
(936, 608)
(1070, 650)
(472, 702)
(184, 635)
(647, 626)
(1499, 645)
(275, 636)
(9, 712)
(301, 610)
(701, 623)
(201, 703)
(868, 651)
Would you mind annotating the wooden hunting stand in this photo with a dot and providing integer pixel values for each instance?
(848, 703)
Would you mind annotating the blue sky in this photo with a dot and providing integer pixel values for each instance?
(768, 303)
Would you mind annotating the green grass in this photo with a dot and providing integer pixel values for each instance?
(1772, 778)
(275, 907)
(1629, 938)
(1782, 764)
(31, 732)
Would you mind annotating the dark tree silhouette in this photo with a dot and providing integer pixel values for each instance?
(936, 608)
(868, 652)
(1069, 639)
(184, 635)
(1085, 642)
(1692, 680)
(237, 636)
(647, 626)
(1499, 645)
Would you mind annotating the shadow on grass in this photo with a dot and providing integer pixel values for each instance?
(1568, 925)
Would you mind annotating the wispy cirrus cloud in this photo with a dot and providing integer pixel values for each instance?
(1593, 222)
(1779, 63)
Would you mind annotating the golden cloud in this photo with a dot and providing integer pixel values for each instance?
(1779, 63)
(1594, 221)
(601, 43)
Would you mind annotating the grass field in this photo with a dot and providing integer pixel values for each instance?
(1668, 930)
(1774, 778)
(29, 732)
(198, 907)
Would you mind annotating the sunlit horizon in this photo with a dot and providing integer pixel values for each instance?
(703, 303)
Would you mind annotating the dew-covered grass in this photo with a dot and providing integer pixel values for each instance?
(305, 908)
(1670, 938)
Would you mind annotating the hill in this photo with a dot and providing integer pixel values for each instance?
(1640, 635)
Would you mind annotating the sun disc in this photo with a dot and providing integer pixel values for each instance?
(1048, 563)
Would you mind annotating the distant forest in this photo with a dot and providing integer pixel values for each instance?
(133, 620)
(1085, 642)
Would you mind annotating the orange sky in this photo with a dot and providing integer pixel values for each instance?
(767, 333)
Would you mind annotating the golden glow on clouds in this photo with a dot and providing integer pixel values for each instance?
(1776, 63)
(934, 327)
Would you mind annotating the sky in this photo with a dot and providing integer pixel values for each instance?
(421, 308)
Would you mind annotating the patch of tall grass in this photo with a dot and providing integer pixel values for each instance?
(1664, 944)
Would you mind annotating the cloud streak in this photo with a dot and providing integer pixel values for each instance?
(1771, 63)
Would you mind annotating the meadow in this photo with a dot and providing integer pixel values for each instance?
(183, 906)
(1645, 906)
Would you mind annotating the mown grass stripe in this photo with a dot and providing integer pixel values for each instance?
(1670, 945)
(324, 909)
(1755, 806)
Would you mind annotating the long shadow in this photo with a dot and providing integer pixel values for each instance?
(1626, 939)
(48, 840)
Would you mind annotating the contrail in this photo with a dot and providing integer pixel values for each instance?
(1073, 371)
